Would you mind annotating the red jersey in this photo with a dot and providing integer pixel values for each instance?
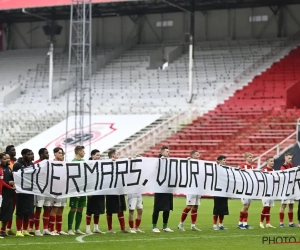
(286, 166)
(2, 183)
(267, 169)
(37, 161)
(246, 166)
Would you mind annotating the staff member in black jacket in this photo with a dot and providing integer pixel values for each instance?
(162, 202)
(220, 203)
(7, 207)
(24, 202)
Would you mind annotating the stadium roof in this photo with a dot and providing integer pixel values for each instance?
(11, 10)
(17, 4)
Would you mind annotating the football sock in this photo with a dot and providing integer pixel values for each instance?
(184, 214)
(165, 225)
(37, 215)
(71, 216)
(155, 218)
(291, 215)
(96, 219)
(194, 215)
(109, 220)
(221, 218)
(8, 225)
(46, 216)
(96, 227)
(121, 220)
(137, 223)
(241, 217)
(58, 223)
(88, 228)
(51, 223)
(78, 219)
(215, 219)
(88, 220)
(25, 224)
(245, 219)
(268, 218)
(166, 215)
(281, 217)
(31, 221)
(154, 226)
(131, 225)
(263, 215)
(267, 214)
(19, 225)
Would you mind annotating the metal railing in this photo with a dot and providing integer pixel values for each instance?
(277, 148)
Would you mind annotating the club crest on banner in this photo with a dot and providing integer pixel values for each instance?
(98, 132)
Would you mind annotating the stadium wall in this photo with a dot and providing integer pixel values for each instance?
(210, 26)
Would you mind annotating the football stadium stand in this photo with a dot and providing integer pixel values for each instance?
(254, 120)
(126, 86)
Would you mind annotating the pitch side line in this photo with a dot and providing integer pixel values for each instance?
(132, 239)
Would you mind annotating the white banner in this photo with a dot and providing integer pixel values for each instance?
(141, 175)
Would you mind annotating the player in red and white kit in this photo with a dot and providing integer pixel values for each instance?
(42, 202)
(243, 222)
(192, 202)
(267, 203)
(58, 204)
(287, 165)
(135, 202)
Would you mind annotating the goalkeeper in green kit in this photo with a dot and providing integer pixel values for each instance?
(76, 203)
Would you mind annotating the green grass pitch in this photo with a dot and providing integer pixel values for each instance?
(233, 238)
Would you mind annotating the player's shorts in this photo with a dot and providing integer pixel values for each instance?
(115, 203)
(268, 202)
(7, 206)
(41, 201)
(288, 201)
(220, 206)
(1, 200)
(95, 205)
(59, 202)
(246, 201)
(135, 203)
(24, 204)
(134, 195)
(78, 202)
(193, 200)
(163, 202)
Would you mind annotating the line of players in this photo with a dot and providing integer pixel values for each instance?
(26, 217)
